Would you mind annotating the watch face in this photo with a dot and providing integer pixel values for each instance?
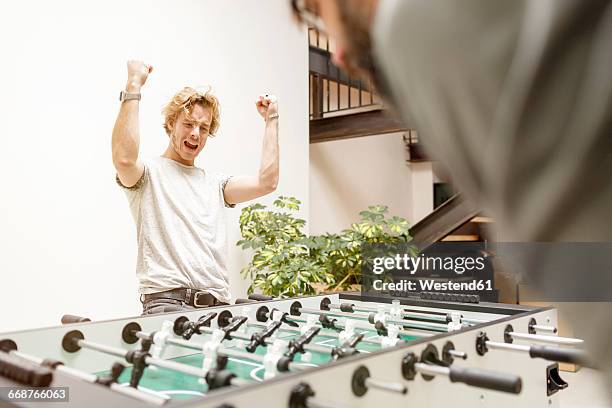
(121, 95)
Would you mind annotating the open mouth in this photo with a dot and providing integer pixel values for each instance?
(190, 146)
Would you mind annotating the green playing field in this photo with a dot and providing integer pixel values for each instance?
(179, 385)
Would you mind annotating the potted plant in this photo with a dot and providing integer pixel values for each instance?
(286, 262)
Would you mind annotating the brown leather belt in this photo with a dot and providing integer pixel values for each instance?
(192, 297)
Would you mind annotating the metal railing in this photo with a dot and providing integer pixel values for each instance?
(410, 137)
(413, 147)
(332, 91)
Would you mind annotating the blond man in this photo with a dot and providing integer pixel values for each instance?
(178, 208)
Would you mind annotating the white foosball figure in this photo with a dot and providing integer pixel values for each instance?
(209, 350)
(395, 310)
(311, 321)
(160, 340)
(455, 323)
(274, 353)
(392, 336)
(348, 332)
(381, 315)
(245, 311)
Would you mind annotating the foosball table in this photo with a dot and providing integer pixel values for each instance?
(338, 350)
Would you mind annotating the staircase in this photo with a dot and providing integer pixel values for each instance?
(456, 220)
(342, 106)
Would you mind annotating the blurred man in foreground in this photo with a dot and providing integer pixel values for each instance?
(515, 99)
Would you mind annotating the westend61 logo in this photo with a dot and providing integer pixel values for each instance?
(440, 267)
(412, 264)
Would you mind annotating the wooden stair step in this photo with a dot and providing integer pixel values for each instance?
(456, 238)
(482, 220)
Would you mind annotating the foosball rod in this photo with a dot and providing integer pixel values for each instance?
(561, 355)
(400, 322)
(296, 310)
(541, 328)
(331, 334)
(402, 331)
(147, 396)
(418, 315)
(540, 338)
(269, 340)
(221, 351)
(489, 380)
(547, 353)
(202, 329)
(246, 337)
(361, 382)
(307, 347)
(170, 365)
(430, 366)
(297, 319)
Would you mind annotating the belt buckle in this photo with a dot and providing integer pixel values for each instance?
(196, 296)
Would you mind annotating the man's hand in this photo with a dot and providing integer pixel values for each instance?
(126, 134)
(244, 188)
(138, 72)
(266, 105)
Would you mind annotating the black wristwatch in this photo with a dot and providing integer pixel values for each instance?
(126, 96)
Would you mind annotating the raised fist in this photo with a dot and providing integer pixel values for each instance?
(266, 105)
(138, 72)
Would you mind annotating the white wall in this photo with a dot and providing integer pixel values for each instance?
(67, 240)
(422, 177)
(346, 176)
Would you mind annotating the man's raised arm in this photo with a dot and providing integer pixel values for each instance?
(244, 188)
(126, 133)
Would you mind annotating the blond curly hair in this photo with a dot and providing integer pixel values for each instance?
(184, 101)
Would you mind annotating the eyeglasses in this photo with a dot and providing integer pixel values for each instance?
(307, 16)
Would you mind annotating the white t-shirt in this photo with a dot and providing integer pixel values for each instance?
(180, 228)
